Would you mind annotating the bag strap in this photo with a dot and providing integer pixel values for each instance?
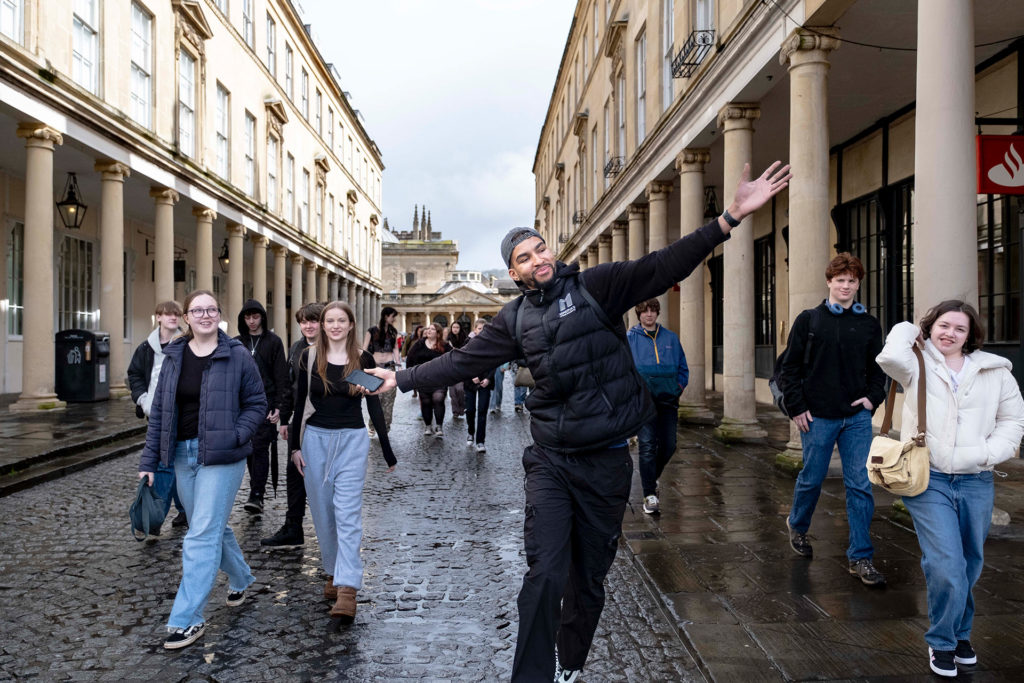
(922, 408)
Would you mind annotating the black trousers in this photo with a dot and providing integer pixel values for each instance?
(258, 461)
(574, 508)
(477, 401)
(432, 405)
(296, 495)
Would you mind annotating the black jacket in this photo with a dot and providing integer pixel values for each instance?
(268, 351)
(587, 393)
(841, 368)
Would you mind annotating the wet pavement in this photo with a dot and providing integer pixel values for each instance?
(707, 590)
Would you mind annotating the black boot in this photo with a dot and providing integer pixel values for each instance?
(288, 536)
(254, 506)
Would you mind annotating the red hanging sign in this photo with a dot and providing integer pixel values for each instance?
(1000, 164)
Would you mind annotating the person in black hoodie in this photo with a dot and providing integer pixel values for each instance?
(587, 402)
(267, 350)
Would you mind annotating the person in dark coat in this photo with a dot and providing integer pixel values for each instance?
(267, 350)
(587, 402)
(209, 403)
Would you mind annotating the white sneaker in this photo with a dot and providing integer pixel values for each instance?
(437, 431)
(428, 430)
(469, 441)
(651, 505)
(480, 448)
(567, 676)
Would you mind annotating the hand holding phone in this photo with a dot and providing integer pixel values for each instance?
(366, 381)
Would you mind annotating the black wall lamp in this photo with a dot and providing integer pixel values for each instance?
(71, 208)
(224, 258)
(711, 210)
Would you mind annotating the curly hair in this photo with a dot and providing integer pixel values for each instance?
(845, 262)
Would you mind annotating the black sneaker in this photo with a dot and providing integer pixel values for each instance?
(799, 543)
(183, 637)
(235, 598)
(964, 653)
(180, 521)
(864, 570)
(254, 506)
(287, 536)
(942, 662)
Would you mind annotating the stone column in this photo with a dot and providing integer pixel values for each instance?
(592, 255)
(332, 287)
(693, 403)
(604, 249)
(259, 269)
(739, 420)
(637, 240)
(37, 348)
(402, 326)
(321, 287)
(657, 196)
(163, 266)
(619, 232)
(297, 300)
(310, 286)
(584, 259)
(112, 175)
(807, 55)
(204, 247)
(945, 199)
(350, 294)
(281, 292)
(236, 248)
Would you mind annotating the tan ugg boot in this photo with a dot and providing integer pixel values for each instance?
(330, 590)
(345, 606)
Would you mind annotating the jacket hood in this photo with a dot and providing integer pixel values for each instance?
(983, 359)
(251, 306)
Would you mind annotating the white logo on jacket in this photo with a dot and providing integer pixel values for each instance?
(565, 306)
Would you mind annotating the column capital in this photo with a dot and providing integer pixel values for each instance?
(637, 212)
(603, 240)
(259, 240)
(821, 39)
(236, 229)
(619, 228)
(692, 160)
(203, 213)
(736, 115)
(297, 259)
(658, 191)
(164, 195)
(280, 250)
(311, 266)
(39, 133)
(112, 170)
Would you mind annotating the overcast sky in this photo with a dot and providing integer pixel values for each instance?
(454, 93)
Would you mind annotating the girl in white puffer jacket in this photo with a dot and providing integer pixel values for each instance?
(975, 420)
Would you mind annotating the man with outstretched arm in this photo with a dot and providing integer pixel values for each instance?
(587, 402)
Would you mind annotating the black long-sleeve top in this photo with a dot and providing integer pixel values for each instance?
(420, 353)
(337, 409)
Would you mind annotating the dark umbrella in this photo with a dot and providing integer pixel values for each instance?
(273, 465)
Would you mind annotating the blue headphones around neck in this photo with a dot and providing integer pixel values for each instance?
(836, 309)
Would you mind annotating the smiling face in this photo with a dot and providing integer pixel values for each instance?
(167, 322)
(949, 332)
(337, 324)
(842, 289)
(309, 329)
(533, 263)
(202, 315)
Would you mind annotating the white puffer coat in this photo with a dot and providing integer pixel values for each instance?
(970, 430)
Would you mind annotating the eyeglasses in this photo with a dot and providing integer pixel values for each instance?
(211, 312)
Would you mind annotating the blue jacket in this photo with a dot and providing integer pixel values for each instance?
(232, 404)
(660, 360)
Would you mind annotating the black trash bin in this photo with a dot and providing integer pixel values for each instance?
(83, 365)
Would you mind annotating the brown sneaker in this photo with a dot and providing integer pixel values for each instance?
(345, 606)
(330, 590)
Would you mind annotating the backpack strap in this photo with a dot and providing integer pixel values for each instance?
(810, 336)
(519, 325)
(620, 334)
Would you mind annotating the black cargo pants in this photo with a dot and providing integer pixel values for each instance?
(574, 508)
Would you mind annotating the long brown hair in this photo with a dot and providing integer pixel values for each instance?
(189, 335)
(352, 348)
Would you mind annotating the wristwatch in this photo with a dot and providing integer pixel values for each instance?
(732, 222)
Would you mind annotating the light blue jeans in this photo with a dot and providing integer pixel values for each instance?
(952, 517)
(498, 388)
(853, 436)
(334, 476)
(207, 492)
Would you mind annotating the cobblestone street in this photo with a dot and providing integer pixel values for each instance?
(442, 545)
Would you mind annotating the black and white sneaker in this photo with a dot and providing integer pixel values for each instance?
(798, 542)
(254, 506)
(964, 653)
(567, 675)
(864, 570)
(942, 662)
(469, 441)
(183, 637)
(235, 598)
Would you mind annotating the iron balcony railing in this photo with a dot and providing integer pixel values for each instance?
(693, 53)
(614, 166)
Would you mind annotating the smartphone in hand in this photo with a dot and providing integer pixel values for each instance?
(365, 380)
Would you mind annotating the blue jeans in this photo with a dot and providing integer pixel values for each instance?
(499, 387)
(952, 518)
(163, 486)
(335, 472)
(657, 442)
(520, 394)
(853, 435)
(208, 492)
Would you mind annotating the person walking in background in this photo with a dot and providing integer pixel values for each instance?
(329, 446)
(143, 374)
(831, 400)
(416, 335)
(974, 421)
(431, 346)
(478, 398)
(519, 392)
(267, 350)
(290, 535)
(382, 342)
(208, 405)
(661, 362)
(456, 338)
(498, 387)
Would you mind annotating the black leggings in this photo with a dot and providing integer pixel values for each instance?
(432, 405)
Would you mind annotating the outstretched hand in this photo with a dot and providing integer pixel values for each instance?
(389, 380)
(751, 195)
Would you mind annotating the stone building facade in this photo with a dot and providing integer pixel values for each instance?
(214, 149)
(658, 105)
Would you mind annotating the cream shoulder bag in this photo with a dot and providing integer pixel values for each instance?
(901, 468)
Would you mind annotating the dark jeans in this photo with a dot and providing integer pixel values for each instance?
(432, 405)
(296, 496)
(574, 508)
(258, 461)
(477, 401)
(657, 442)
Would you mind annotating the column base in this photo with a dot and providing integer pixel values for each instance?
(695, 414)
(731, 430)
(119, 392)
(791, 460)
(32, 404)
